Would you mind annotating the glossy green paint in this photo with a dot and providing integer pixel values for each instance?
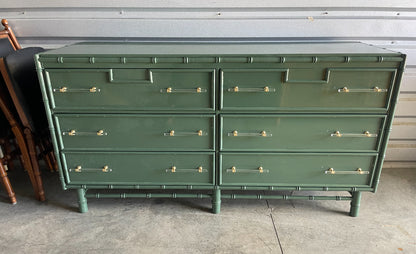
(285, 197)
(301, 133)
(131, 89)
(292, 188)
(229, 49)
(82, 200)
(153, 186)
(216, 201)
(301, 108)
(306, 89)
(48, 112)
(299, 169)
(139, 168)
(389, 123)
(147, 195)
(355, 203)
(125, 132)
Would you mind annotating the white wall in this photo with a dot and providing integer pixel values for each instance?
(385, 23)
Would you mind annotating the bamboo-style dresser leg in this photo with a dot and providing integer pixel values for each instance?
(355, 203)
(216, 201)
(82, 201)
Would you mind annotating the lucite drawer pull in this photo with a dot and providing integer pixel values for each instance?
(191, 90)
(265, 89)
(249, 134)
(365, 134)
(259, 170)
(84, 133)
(79, 169)
(65, 89)
(173, 169)
(173, 133)
(371, 90)
(358, 171)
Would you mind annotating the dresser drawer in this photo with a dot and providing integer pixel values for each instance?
(301, 133)
(139, 168)
(136, 132)
(134, 89)
(329, 89)
(297, 169)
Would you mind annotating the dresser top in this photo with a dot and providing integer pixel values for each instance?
(200, 49)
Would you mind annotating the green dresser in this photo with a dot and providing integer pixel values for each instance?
(220, 120)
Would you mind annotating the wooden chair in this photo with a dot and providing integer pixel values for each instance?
(6, 107)
(8, 41)
(19, 75)
(43, 140)
(6, 158)
(6, 182)
(8, 44)
(23, 134)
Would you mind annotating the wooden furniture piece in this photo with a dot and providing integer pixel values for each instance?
(20, 63)
(8, 41)
(6, 182)
(7, 108)
(6, 153)
(17, 65)
(8, 44)
(220, 117)
(19, 75)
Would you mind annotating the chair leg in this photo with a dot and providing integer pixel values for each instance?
(8, 150)
(51, 154)
(49, 164)
(26, 158)
(53, 160)
(6, 183)
(22, 162)
(47, 156)
(35, 163)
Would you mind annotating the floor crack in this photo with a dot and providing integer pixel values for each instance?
(274, 226)
(277, 234)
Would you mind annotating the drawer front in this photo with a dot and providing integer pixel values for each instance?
(135, 89)
(139, 168)
(297, 169)
(136, 132)
(301, 133)
(306, 89)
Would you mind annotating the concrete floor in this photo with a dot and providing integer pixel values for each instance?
(386, 224)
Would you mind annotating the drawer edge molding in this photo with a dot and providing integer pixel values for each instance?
(272, 83)
(101, 83)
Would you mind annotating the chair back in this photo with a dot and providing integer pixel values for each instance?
(8, 44)
(5, 46)
(8, 36)
(19, 73)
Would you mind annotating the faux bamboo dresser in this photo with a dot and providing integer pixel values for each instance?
(206, 120)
